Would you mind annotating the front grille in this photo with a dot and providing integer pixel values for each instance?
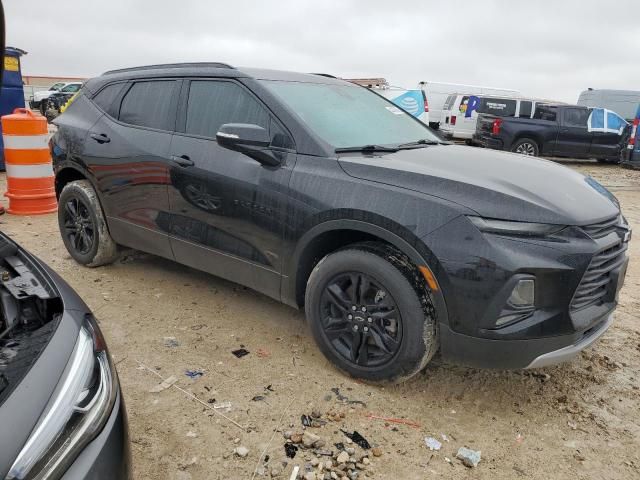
(597, 279)
(602, 229)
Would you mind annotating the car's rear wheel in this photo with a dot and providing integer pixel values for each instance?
(371, 313)
(83, 227)
(526, 146)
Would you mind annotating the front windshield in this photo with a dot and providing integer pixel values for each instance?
(349, 115)
(56, 86)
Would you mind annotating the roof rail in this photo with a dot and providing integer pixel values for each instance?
(171, 65)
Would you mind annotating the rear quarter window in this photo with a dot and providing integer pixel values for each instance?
(501, 107)
(105, 97)
(525, 109)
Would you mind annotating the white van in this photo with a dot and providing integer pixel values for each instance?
(438, 92)
(624, 102)
(411, 101)
(460, 112)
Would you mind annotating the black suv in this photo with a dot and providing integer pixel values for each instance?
(324, 195)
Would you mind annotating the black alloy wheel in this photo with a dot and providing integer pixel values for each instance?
(78, 225)
(361, 320)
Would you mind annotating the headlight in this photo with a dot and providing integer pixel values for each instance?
(76, 412)
(507, 227)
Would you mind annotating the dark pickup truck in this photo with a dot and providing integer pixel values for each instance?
(554, 130)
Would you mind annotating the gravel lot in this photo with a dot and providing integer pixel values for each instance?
(576, 421)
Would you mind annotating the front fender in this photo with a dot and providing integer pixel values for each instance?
(387, 231)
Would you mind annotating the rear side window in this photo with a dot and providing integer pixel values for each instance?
(148, 104)
(525, 109)
(448, 103)
(576, 117)
(213, 103)
(501, 107)
(545, 113)
(105, 97)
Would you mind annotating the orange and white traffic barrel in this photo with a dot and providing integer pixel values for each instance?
(30, 180)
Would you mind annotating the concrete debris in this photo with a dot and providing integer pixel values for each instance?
(241, 451)
(470, 458)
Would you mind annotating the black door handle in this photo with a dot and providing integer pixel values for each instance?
(100, 137)
(183, 160)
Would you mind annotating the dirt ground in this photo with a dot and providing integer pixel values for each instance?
(575, 421)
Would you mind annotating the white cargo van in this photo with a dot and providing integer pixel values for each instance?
(624, 102)
(460, 112)
(412, 101)
(438, 92)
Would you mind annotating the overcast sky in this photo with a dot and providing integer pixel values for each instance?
(552, 49)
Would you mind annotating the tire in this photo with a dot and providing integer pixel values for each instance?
(410, 335)
(526, 146)
(85, 233)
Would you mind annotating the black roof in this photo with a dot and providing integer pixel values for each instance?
(208, 69)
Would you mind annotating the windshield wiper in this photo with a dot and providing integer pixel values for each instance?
(366, 149)
(420, 143)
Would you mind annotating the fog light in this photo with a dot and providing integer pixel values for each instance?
(523, 293)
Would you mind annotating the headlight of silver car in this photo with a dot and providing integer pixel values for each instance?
(508, 227)
(76, 412)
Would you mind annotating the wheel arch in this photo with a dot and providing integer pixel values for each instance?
(529, 136)
(331, 235)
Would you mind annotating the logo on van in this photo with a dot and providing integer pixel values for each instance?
(411, 102)
(469, 105)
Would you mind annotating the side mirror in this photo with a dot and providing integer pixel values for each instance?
(252, 140)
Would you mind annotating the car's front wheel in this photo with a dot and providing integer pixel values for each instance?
(83, 227)
(526, 146)
(371, 313)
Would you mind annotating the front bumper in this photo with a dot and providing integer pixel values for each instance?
(108, 456)
(516, 354)
(477, 277)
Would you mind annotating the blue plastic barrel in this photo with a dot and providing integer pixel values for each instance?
(12, 92)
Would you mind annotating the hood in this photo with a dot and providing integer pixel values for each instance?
(43, 94)
(494, 184)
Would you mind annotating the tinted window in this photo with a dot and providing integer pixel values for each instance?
(501, 107)
(349, 116)
(212, 104)
(545, 113)
(576, 117)
(525, 109)
(148, 104)
(105, 97)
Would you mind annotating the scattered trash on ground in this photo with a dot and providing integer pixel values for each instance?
(357, 439)
(262, 353)
(194, 373)
(470, 458)
(444, 437)
(225, 405)
(519, 439)
(401, 421)
(241, 352)
(171, 342)
(290, 450)
(191, 434)
(166, 383)
(294, 473)
(258, 398)
(432, 443)
(345, 399)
